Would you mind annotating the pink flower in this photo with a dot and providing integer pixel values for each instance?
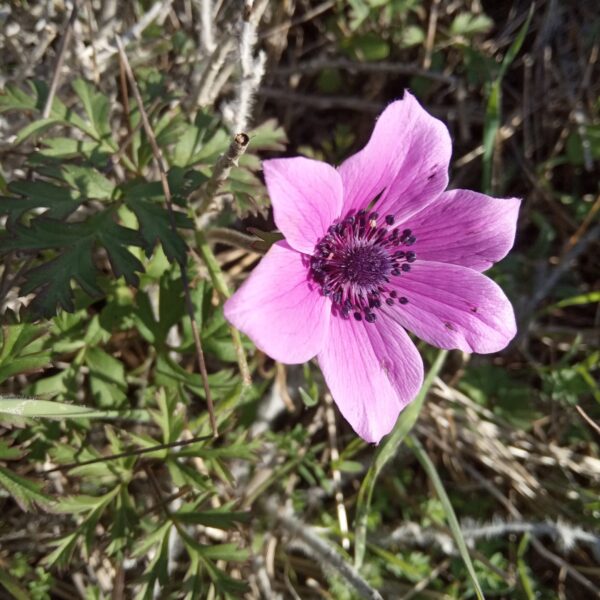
(372, 249)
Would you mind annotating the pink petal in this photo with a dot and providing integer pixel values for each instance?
(451, 306)
(466, 228)
(306, 196)
(406, 158)
(373, 371)
(279, 309)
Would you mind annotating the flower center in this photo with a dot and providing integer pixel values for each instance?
(356, 260)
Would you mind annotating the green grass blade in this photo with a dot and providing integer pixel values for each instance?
(16, 406)
(433, 475)
(522, 568)
(385, 452)
(494, 105)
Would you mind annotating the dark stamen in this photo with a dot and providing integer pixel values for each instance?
(355, 262)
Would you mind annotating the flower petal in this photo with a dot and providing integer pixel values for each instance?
(451, 306)
(373, 371)
(466, 228)
(406, 158)
(306, 196)
(279, 309)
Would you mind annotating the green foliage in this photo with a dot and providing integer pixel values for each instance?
(21, 349)
(69, 217)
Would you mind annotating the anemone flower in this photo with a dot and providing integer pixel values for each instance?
(372, 249)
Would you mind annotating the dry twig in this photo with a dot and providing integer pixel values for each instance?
(325, 552)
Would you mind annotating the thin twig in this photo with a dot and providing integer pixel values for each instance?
(156, 12)
(126, 109)
(325, 552)
(207, 40)
(587, 221)
(127, 453)
(307, 16)
(431, 29)
(93, 32)
(62, 50)
(204, 94)
(566, 536)
(162, 167)
(322, 102)
(563, 564)
(589, 420)
(262, 579)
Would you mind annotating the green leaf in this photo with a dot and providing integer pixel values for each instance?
(19, 352)
(34, 100)
(47, 409)
(412, 36)
(386, 451)
(9, 452)
(221, 519)
(268, 136)
(155, 226)
(25, 492)
(34, 128)
(168, 373)
(61, 555)
(107, 378)
(370, 47)
(579, 300)
(188, 145)
(307, 398)
(96, 107)
(434, 477)
(66, 148)
(360, 11)
(14, 98)
(51, 281)
(89, 182)
(59, 201)
(468, 24)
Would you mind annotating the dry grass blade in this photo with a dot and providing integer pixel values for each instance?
(62, 50)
